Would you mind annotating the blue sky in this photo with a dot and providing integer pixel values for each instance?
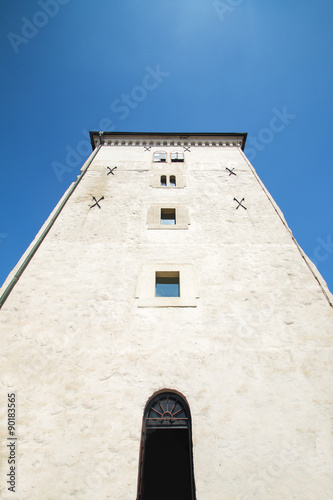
(219, 66)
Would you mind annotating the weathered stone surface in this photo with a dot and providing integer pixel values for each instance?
(253, 358)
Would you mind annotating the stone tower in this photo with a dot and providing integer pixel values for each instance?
(164, 336)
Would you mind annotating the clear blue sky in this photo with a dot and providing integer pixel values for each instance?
(223, 66)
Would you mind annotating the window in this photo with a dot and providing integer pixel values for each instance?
(167, 284)
(168, 216)
(160, 156)
(174, 177)
(177, 156)
(172, 181)
(166, 458)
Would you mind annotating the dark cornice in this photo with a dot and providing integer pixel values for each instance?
(181, 135)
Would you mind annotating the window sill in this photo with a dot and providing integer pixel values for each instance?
(168, 226)
(145, 289)
(167, 302)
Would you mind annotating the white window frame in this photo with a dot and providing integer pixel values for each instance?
(177, 156)
(159, 157)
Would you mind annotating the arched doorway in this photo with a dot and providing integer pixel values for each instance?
(166, 462)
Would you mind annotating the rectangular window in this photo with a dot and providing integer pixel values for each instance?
(167, 284)
(159, 156)
(177, 156)
(168, 216)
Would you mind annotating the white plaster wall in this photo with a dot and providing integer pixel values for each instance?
(253, 359)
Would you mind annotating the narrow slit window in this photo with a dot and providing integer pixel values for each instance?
(167, 284)
(163, 180)
(168, 216)
(172, 180)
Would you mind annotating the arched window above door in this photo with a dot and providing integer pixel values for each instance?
(167, 410)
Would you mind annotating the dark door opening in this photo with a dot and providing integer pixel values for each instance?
(166, 461)
(167, 465)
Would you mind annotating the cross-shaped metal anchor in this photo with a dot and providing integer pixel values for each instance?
(240, 203)
(111, 170)
(147, 148)
(187, 148)
(96, 202)
(231, 172)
